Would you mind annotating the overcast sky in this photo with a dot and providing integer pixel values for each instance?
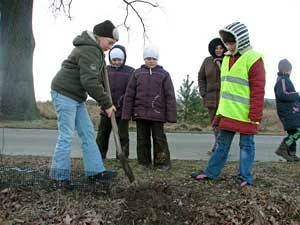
(180, 29)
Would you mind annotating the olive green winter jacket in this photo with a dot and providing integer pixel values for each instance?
(81, 74)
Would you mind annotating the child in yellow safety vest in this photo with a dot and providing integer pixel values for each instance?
(241, 104)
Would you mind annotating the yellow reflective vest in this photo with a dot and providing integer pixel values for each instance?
(235, 91)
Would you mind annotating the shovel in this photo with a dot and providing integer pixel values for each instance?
(123, 159)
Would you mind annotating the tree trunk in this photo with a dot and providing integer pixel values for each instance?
(17, 98)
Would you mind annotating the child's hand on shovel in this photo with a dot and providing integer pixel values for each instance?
(110, 110)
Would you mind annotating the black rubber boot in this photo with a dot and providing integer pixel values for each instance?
(283, 151)
(292, 152)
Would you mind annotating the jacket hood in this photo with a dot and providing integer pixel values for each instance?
(241, 34)
(122, 48)
(212, 46)
(85, 38)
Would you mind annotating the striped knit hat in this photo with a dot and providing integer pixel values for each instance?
(240, 33)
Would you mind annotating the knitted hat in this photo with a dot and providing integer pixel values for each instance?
(106, 29)
(240, 33)
(284, 66)
(116, 53)
(151, 52)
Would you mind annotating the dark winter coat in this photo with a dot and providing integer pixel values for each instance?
(81, 74)
(287, 102)
(118, 80)
(209, 76)
(150, 96)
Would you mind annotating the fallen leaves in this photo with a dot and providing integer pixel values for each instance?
(161, 198)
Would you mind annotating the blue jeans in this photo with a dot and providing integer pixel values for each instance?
(71, 116)
(219, 157)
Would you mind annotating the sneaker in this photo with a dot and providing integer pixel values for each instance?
(244, 184)
(202, 176)
(103, 176)
(283, 151)
(195, 174)
(240, 181)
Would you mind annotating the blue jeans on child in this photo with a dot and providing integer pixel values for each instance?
(71, 116)
(219, 157)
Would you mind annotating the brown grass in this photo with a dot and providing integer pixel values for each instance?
(47, 110)
(270, 122)
(158, 198)
(269, 125)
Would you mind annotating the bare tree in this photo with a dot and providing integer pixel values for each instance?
(17, 98)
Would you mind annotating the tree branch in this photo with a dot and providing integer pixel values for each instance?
(62, 6)
(154, 5)
(65, 7)
(130, 4)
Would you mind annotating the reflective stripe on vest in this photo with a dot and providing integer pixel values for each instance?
(235, 91)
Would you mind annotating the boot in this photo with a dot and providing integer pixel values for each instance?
(295, 157)
(165, 167)
(292, 152)
(283, 151)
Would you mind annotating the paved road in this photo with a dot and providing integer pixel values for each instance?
(182, 146)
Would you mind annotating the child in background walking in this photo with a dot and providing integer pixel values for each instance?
(150, 101)
(288, 110)
(118, 75)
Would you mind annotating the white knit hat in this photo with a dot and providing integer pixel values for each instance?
(116, 53)
(151, 52)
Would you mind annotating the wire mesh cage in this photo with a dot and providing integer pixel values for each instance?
(16, 175)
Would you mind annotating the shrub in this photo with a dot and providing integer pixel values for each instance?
(47, 110)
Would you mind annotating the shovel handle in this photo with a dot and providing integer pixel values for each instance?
(114, 125)
(122, 158)
(116, 133)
